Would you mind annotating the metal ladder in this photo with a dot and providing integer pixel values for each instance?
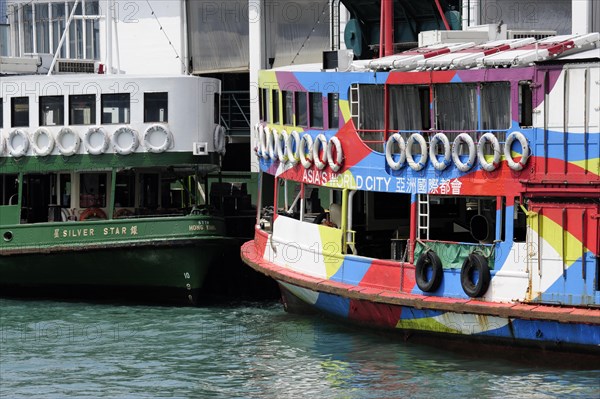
(423, 217)
(354, 105)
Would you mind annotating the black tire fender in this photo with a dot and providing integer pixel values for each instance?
(475, 262)
(426, 260)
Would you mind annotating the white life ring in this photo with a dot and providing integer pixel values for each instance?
(262, 141)
(219, 140)
(46, 149)
(271, 143)
(463, 166)
(335, 164)
(485, 165)
(409, 156)
(265, 145)
(517, 166)
(319, 151)
(165, 136)
(99, 148)
(133, 144)
(2, 145)
(305, 151)
(389, 151)
(21, 150)
(281, 146)
(433, 144)
(293, 141)
(73, 147)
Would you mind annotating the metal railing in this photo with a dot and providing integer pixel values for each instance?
(235, 112)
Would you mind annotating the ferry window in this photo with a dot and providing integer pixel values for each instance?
(149, 190)
(58, 26)
(288, 107)
(263, 104)
(333, 106)
(1, 113)
(156, 107)
(456, 106)
(125, 189)
(20, 112)
(9, 186)
(92, 190)
(316, 109)
(275, 96)
(495, 106)
(82, 109)
(174, 193)
(301, 109)
(371, 115)
(52, 111)
(519, 222)
(216, 108)
(65, 190)
(27, 13)
(261, 109)
(409, 108)
(525, 104)
(115, 108)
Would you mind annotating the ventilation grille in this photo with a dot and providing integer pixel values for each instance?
(536, 34)
(75, 67)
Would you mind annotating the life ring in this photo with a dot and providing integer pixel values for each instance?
(101, 147)
(281, 146)
(46, 149)
(463, 166)
(20, 150)
(409, 156)
(319, 151)
(389, 151)
(517, 166)
(427, 260)
(305, 151)
(2, 144)
(219, 140)
(335, 163)
(472, 285)
(262, 141)
(62, 148)
(433, 144)
(165, 135)
(292, 145)
(485, 165)
(134, 141)
(92, 214)
(265, 146)
(271, 143)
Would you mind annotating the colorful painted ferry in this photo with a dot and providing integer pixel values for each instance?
(448, 191)
(103, 182)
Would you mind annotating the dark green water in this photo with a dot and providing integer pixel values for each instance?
(248, 350)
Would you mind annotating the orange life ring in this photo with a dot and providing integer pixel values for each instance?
(92, 213)
(122, 213)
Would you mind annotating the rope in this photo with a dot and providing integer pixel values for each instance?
(167, 37)
(16, 8)
(312, 31)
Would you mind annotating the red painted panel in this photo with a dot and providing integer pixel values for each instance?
(372, 313)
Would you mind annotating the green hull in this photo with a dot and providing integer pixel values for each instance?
(165, 262)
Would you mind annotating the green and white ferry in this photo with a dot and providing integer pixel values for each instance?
(103, 182)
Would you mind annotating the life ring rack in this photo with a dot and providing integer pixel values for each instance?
(419, 139)
(45, 150)
(160, 130)
(133, 145)
(17, 152)
(104, 140)
(389, 154)
(335, 163)
(92, 213)
(516, 166)
(73, 148)
(460, 165)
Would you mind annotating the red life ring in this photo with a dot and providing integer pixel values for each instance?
(92, 213)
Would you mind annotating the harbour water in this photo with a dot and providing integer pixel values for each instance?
(243, 350)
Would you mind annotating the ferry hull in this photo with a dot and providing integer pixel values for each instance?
(554, 329)
(171, 271)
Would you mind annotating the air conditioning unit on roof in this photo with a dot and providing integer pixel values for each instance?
(536, 34)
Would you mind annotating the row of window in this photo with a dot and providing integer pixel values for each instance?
(115, 109)
(37, 28)
(306, 108)
(456, 106)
